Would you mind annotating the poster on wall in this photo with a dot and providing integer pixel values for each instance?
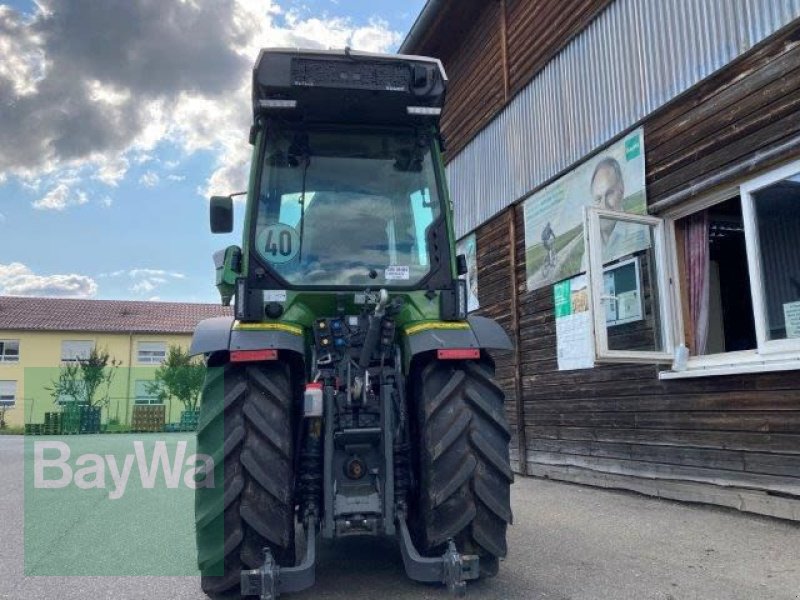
(468, 246)
(615, 180)
(791, 315)
(574, 336)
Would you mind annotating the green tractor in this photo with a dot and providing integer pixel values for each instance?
(350, 394)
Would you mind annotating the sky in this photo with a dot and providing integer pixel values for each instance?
(119, 118)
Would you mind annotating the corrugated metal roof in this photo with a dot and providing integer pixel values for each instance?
(103, 316)
(634, 58)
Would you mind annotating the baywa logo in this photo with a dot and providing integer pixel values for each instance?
(95, 471)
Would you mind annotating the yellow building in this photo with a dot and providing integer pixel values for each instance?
(39, 335)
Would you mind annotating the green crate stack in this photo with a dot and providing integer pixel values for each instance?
(52, 423)
(34, 429)
(90, 419)
(71, 419)
(189, 419)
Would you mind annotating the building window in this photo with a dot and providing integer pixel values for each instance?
(9, 351)
(627, 275)
(151, 353)
(772, 228)
(724, 284)
(8, 393)
(75, 350)
(143, 395)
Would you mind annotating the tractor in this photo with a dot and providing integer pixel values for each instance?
(349, 393)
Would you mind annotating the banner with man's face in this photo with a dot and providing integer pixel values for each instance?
(614, 179)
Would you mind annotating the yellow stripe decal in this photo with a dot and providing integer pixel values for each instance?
(460, 325)
(293, 329)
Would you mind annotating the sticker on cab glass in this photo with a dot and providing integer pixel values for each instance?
(396, 273)
(274, 295)
(278, 243)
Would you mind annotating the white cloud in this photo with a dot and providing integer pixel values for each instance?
(120, 91)
(111, 172)
(149, 179)
(18, 280)
(61, 197)
(2, 218)
(24, 62)
(173, 177)
(144, 280)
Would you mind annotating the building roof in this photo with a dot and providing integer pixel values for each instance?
(103, 316)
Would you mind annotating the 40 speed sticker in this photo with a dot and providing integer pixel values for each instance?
(278, 243)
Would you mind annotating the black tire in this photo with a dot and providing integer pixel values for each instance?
(463, 461)
(246, 426)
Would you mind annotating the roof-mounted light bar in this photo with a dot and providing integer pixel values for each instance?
(281, 104)
(424, 111)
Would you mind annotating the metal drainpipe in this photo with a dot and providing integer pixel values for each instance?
(429, 12)
(130, 368)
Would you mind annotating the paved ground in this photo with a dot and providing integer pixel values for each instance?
(568, 542)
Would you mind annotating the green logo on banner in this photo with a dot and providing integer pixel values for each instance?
(633, 147)
(563, 298)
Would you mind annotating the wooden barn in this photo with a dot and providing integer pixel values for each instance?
(626, 180)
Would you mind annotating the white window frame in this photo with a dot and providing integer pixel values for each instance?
(75, 359)
(14, 389)
(596, 273)
(765, 345)
(769, 355)
(149, 359)
(9, 359)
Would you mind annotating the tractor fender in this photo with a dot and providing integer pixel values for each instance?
(221, 334)
(481, 333)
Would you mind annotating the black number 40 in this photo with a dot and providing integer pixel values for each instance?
(282, 246)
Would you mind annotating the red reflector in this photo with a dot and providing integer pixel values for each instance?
(253, 355)
(458, 354)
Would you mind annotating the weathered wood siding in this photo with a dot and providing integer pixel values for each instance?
(730, 440)
(493, 48)
(750, 106)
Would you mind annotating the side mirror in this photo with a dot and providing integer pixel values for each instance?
(461, 264)
(221, 214)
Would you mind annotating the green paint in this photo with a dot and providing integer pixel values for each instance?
(633, 147)
(563, 298)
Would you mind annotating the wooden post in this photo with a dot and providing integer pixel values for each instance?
(522, 443)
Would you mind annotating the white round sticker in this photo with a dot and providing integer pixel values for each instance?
(278, 243)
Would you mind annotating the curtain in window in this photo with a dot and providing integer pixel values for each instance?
(698, 274)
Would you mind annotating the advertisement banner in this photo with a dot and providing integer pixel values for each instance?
(615, 180)
(574, 336)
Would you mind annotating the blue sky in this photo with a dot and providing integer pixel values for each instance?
(115, 131)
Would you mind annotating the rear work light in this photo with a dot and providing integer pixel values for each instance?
(458, 354)
(275, 103)
(253, 355)
(425, 111)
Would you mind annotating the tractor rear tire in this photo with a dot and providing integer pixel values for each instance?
(246, 426)
(463, 461)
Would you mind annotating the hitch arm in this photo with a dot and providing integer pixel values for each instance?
(271, 580)
(452, 569)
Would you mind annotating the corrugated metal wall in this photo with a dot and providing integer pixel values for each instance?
(635, 57)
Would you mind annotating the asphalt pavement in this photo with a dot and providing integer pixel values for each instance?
(567, 542)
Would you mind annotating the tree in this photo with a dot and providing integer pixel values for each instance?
(180, 376)
(86, 381)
